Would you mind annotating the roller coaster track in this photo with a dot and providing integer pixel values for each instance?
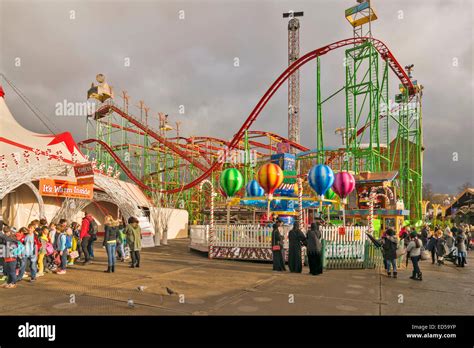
(122, 165)
(107, 108)
(280, 138)
(234, 143)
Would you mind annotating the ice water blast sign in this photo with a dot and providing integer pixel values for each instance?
(231, 181)
(344, 184)
(254, 189)
(270, 176)
(321, 178)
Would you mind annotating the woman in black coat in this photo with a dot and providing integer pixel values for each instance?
(295, 239)
(315, 250)
(277, 248)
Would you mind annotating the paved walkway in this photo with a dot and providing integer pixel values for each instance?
(206, 287)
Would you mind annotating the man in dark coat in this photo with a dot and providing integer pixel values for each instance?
(277, 248)
(314, 249)
(295, 240)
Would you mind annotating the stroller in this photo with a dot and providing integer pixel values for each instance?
(451, 255)
(52, 262)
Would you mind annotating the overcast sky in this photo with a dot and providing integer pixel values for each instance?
(190, 62)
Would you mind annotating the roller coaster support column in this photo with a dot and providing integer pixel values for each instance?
(300, 201)
(319, 116)
(211, 222)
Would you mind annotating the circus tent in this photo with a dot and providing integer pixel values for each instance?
(26, 157)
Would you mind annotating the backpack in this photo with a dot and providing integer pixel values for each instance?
(93, 228)
(389, 245)
(57, 240)
(68, 242)
(19, 250)
(121, 235)
(49, 248)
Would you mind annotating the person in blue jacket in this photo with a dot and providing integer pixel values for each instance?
(31, 253)
(63, 249)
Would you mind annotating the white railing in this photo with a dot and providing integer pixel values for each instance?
(257, 236)
(244, 236)
(351, 234)
(199, 235)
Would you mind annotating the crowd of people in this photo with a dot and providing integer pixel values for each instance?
(449, 244)
(41, 248)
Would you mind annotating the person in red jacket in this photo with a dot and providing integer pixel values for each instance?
(85, 237)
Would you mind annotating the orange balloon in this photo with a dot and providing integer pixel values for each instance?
(270, 176)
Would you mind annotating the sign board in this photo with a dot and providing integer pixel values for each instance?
(85, 181)
(283, 147)
(84, 173)
(342, 231)
(148, 234)
(63, 188)
(346, 251)
(83, 169)
(356, 234)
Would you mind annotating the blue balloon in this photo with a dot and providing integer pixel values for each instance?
(320, 178)
(254, 189)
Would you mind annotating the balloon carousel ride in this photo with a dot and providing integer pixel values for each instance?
(272, 198)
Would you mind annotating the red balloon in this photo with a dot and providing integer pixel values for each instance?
(344, 184)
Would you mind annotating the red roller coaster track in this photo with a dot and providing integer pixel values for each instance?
(117, 159)
(379, 46)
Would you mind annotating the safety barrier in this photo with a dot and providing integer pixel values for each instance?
(355, 254)
(347, 248)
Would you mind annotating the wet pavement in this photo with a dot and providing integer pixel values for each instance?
(175, 281)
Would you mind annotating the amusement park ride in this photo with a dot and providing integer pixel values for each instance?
(382, 144)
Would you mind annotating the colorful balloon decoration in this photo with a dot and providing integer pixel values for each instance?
(270, 177)
(330, 194)
(321, 178)
(231, 181)
(253, 189)
(344, 184)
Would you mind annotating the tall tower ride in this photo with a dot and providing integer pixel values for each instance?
(294, 80)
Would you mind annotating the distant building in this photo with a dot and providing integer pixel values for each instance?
(462, 208)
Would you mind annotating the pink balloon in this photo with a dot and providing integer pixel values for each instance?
(344, 184)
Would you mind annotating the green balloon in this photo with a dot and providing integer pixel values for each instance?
(330, 194)
(231, 181)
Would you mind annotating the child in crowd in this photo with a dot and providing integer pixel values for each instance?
(52, 233)
(62, 249)
(43, 251)
(12, 248)
(121, 242)
(71, 246)
(76, 244)
(31, 253)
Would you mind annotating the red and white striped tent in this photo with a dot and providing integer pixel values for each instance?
(25, 157)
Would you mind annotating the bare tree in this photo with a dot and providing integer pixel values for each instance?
(463, 187)
(427, 192)
(162, 212)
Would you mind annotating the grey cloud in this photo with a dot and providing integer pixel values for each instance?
(190, 62)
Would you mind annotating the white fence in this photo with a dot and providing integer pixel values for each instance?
(199, 235)
(347, 244)
(244, 236)
(257, 236)
(350, 234)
